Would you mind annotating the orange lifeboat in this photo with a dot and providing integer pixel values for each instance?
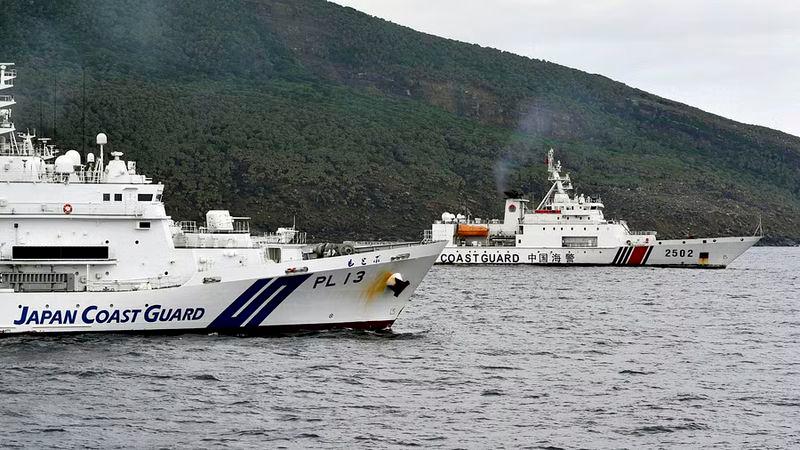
(469, 230)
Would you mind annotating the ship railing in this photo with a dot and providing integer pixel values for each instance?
(187, 226)
(370, 246)
(427, 236)
(8, 150)
(75, 208)
(643, 233)
(41, 176)
(134, 284)
(6, 98)
(241, 225)
(19, 151)
(191, 226)
(298, 237)
(82, 176)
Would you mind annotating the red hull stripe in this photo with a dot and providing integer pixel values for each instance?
(637, 255)
(647, 256)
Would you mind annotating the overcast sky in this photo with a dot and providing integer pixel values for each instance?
(736, 58)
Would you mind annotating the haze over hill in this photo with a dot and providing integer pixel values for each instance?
(363, 128)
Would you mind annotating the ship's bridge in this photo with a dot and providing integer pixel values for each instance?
(584, 207)
(558, 204)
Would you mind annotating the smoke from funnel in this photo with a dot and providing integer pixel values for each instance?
(534, 121)
(501, 168)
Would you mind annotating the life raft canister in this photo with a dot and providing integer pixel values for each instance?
(67, 208)
(470, 230)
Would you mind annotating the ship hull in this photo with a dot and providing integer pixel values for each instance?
(707, 253)
(337, 292)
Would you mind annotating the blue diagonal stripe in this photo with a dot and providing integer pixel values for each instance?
(252, 300)
(225, 319)
(290, 284)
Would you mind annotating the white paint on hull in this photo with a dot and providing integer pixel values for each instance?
(718, 252)
(334, 291)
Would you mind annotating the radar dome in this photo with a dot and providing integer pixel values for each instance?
(64, 164)
(74, 156)
(102, 139)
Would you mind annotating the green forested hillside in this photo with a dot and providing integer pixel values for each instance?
(363, 128)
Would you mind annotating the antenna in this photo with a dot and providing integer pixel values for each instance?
(83, 114)
(55, 103)
(102, 140)
(41, 113)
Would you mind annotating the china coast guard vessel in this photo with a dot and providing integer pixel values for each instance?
(567, 229)
(88, 246)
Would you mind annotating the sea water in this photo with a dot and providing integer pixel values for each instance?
(514, 356)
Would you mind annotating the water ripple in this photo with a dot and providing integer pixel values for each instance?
(521, 357)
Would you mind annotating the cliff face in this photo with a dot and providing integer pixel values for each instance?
(363, 128)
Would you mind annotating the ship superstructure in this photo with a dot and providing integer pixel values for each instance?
(567, 228)
(86, 245)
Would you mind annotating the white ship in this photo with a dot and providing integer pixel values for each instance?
(567, 229)
(88, 247)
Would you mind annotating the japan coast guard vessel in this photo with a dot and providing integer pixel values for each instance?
(89, 248)
(570, 229)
